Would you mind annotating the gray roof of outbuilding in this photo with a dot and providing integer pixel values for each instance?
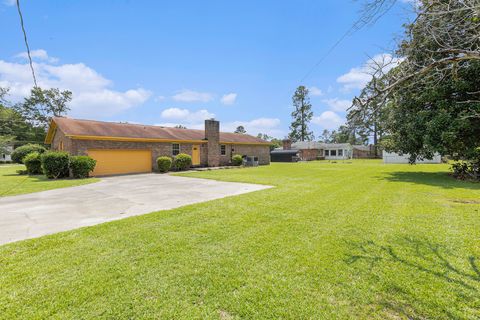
(335, 145)
(306, 145)
(279, 151)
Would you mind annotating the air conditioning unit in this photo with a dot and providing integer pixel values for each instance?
(250, 161)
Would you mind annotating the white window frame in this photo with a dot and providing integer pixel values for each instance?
(173, 149)
(223, 150)
(333, 155)
(340, 152)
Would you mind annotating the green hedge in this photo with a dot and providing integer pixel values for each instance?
(182, 161)
(33, 163)
(21, 152)
(164, 164)
(237, 160)
(81, 166)
(55, 164)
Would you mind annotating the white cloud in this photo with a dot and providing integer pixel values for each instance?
(10, 2)
(253, 127)
(92, 93)
(192, 96)
(195, 120)
(159, 98)
(339, 105)
(229, 98)
(314, 91)
(358, 77)
(185, 116)
(39, 54)
(328, 120)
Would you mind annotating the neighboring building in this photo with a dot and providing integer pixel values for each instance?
(312, 150)
(4, 157)
(392, 157)
(132, 148)
(361, 151)
(337, 151)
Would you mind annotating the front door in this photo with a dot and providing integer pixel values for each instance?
(196, 155)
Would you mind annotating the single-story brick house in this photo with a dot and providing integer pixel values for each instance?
(121, 148)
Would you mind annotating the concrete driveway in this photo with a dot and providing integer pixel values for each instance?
(37, 214)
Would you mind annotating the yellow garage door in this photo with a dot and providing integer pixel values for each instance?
(121, 161)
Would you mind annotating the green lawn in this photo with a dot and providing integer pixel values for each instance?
(331, 240)
(11, 183)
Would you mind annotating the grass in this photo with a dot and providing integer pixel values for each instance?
(11, 183)
(331, 241)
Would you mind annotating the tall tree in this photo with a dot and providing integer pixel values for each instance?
(43, 104)
(326, 136)
(302, 115)
(432, 97)
(368, 119)
(12, 124)
(240, 129)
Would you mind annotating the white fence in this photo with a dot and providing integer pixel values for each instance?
(391, 157)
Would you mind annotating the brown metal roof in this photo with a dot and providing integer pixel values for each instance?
(91, 128)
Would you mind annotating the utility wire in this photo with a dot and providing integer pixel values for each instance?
(369, 16)
(26, 44)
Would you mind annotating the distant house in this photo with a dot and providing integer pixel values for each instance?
(5, 157)
(312, 150)
(361, 151)
(392, 157)
(337, 151)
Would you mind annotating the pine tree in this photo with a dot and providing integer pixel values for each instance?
(301, 116)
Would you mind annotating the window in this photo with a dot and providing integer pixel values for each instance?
(175, 149)
(327, 153)
(333, 153)
(223, 149)
(340, 152)
(61, 146)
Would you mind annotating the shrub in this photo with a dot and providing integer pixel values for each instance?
(469, 169)
(33, 163)
(182, 161)
(20, 153)
(81, 166)
(237, 160)
(55, 164)
(164, 164)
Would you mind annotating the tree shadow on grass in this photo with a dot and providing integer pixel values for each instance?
(457, 277)
(437, 179)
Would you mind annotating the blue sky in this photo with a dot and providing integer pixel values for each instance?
(179, 62)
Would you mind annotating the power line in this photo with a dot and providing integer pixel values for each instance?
(370, 15)
(26, 44)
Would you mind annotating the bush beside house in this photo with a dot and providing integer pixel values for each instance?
(182, 161)
(164, 164)
(33, 163)
(81, 166)
(21, 152)
(55, 164)
(237, 160)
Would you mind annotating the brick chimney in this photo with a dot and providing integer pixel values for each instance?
(212, 135)
(287, 144)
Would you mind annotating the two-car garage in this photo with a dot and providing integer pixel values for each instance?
(121, 161)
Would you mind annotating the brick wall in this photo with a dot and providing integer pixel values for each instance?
(80, 147)
(260, 151)
(60, 138)
(212, 134)
(309, 154)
